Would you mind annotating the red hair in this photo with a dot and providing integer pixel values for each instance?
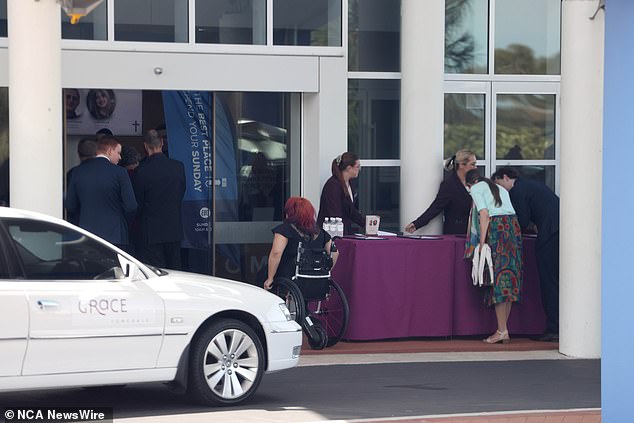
(301, 213)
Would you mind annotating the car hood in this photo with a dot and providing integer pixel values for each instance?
(197, 286)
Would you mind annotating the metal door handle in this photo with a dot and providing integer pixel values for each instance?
(42, 304)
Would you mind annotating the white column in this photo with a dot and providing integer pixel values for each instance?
(325, 126)
(35, 105)
(422, 107)
(580, 186)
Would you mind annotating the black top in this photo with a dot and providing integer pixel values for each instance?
(286, 268)
(159, 186)
(535, 202)
(334, 202)
(101, 194)
(454, 201)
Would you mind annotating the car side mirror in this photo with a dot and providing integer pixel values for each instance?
(129, 269)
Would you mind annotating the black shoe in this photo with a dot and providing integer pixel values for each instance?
(547, 337)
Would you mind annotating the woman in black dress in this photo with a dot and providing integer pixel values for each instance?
(338, 198)
(453, 199)
(299, 226)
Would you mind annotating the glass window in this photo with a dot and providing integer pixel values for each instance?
(50, 251)
(527, 38)
(3, 18)
(525, 128)
(544, 174)
(150, 20)
(374, 118)
(374, 35)
(307, 22)
(231, 21)
(253, 155)
(90, 27)
(379, 194)
(466, 36)
(464, 124)
(4, 146)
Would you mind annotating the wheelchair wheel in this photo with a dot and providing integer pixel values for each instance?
(320, 340)
(290, 293)
(332, 311)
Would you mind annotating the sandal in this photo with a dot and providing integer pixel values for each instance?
(498, 336)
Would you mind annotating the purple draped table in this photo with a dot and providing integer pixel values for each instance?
(399, 288)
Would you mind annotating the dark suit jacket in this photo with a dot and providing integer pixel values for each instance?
(159, 186)
(101, 193)
(535, 202)
(454, 200)
(72, 217)
(335, 203)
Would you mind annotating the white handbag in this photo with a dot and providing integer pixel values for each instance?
(482, 266)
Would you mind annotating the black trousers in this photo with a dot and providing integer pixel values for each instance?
(547, 254)
(164, 254)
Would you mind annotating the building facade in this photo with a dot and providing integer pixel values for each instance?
(290, 84)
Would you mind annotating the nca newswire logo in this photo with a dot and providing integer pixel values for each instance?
(57, 414)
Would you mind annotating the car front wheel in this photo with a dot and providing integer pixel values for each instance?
(227, 363)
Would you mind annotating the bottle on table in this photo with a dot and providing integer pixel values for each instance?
(326, 225)
(339, 226)
(333, 227)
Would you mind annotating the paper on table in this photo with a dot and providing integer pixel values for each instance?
(361, 236)
(385, 233)
(414, 236)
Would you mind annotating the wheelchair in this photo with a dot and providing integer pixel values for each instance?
(315, 301)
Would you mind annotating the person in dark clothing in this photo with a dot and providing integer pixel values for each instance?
(86, 149)
(101, 194)
(338, 198)
(299, 226)
(453, 199)
(159, 186)
(130, 158)
(536, 204)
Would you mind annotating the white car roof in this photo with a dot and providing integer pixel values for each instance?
(20, 213)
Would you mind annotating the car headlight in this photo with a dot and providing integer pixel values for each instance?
(286, 312)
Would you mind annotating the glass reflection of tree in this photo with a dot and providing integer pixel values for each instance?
(520, 59)
(464, 124)
(459, 44)
(526, 122)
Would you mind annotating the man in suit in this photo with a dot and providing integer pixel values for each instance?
(86, 149)
(100, 192)
(159, 186)
(536, 204)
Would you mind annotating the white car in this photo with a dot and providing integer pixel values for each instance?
(77, 311)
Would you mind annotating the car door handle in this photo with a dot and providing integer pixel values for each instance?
(42, 304)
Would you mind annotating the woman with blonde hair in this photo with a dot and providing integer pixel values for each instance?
(453, 199)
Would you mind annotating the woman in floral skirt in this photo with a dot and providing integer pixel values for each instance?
(496, 225)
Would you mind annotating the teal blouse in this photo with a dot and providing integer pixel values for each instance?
(483, 199)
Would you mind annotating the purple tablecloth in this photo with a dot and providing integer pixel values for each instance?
(401, 288)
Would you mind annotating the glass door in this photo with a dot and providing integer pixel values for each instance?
(256, 135)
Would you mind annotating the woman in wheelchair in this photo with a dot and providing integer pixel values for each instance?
(299, 226)
(299, 272)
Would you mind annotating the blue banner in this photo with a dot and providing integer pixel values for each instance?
(189, 134)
